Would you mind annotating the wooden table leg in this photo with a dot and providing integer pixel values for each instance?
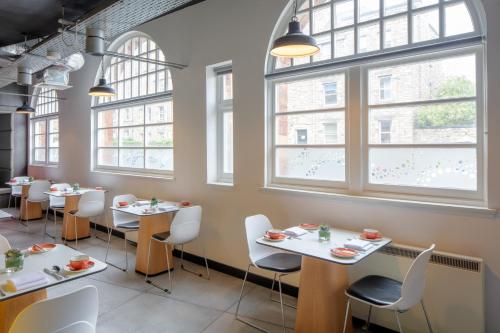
(9, 309)
(82, 224)
(150, 225)
(322, 301)
(32, 210)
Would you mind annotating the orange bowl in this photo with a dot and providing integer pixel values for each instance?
(122, 203)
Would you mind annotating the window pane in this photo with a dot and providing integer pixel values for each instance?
(322, 19)
(132, 158)
(325, 45)
(132, 116)
(227, 142)
(344, 43)
(423, 3)
(132, 137)
(425, 25)
(308, 94)
(107, 118)
(290, 130)
(441, 123)
(107, 157)
(343, 12)
(54, 155)
(160, 159)
(40, 140)
(396, 31)
(107, 138)
(453, 77)
(395, 6)
(40, 155)
(319, 2)
(368, 10)
(159, 113)
(457, 20)
(368, 37)
(40, 127)
(450, 168)
(54, 140)
(303, 4)
(311, 163)
(159, 136)
(227, 86)
(305, 22)
(282, 62)
(53, 125)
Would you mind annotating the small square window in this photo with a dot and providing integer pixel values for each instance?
(385, 131)
(302, 137)
(330, 91)
(385, 83)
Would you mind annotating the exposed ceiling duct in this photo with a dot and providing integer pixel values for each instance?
(115, 19)
(57, 76)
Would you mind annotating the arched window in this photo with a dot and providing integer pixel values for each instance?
(134, 129)
(392, 105)
(44, 127)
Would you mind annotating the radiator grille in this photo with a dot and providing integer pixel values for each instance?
(468, 264)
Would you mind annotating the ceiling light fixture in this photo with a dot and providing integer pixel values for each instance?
(102, 89)
(25, 109)
(295, 43)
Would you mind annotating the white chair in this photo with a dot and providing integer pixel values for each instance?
(388, 294)
(4, 244)
(122, 222)
(279, 262)
(91, 205)
(16, 191)
(57, 313)
(78, 327)
(184, 229)
(56, 204)
(36, 194)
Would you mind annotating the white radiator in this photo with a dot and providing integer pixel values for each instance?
(454, 294)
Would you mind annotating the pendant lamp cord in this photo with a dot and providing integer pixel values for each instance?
(294, 17)
(102, 68)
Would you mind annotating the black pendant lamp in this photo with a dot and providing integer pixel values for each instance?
(25, 109)
(294, 44)
(102, 89)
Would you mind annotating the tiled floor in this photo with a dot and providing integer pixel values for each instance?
(128, 304)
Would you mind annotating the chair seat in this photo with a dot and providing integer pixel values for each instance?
(377, 290)
(61, 206)
(281, 262)
(129, 225)
(162, 236)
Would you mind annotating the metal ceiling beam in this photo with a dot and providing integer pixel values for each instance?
(30, 95)
(152, 61)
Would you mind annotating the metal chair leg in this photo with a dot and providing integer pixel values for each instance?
(110, 231)
(193, 272)
(426, 317)
(47, 220)
(272, 286)
(10, 199)
(169, 291)
(399, 323)
(347, 308)
(367, 324)
(76, 234)
(281, 303)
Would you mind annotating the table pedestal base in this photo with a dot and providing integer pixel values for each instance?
(82, 224)
(11, 308)
(322, 301)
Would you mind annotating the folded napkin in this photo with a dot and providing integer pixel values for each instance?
(358, 244)
(141, 203)
(26, 281)
(295, 231)
(168, 208)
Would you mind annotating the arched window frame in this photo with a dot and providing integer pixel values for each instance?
(160, 98)
(44, 128)
(355, 69)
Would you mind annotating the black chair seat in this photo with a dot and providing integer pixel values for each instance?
(378, 290)
(281, 262)
(161, 236)
(134, 225)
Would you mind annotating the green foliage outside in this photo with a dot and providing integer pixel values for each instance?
(449, 115)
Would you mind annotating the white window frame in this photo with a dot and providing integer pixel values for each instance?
(163, 95)
(51, 111)
(327, 94)
(223, 107)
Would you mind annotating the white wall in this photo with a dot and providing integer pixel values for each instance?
(239, 30)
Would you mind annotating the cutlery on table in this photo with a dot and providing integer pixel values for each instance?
(53, 274)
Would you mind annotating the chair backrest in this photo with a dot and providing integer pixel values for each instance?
(91, 204)
(121, 217)
(56, 313)
(256, 226)
(78, 327)
(58, 201)
(37, 189)
(186, 225)
(414, 283)
(19, 189)
(4, 244)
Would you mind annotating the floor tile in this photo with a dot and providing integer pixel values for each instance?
(227, 323)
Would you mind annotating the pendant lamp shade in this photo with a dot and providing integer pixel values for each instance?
(294, 44)
(25, 109)
(102, 89)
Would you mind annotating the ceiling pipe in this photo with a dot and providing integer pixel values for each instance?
(30, 95)
(24, 76)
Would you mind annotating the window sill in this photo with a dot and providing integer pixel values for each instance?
(53, 166)
(222, 185)
(131, 174)
(470, 210)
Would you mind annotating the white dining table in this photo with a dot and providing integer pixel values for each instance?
(11, 303)
(323, 278)
(150, 223)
